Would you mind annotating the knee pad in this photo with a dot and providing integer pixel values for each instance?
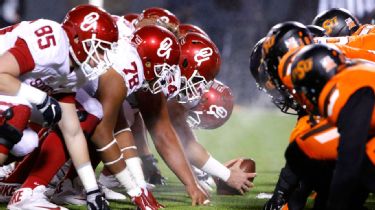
(27, 144)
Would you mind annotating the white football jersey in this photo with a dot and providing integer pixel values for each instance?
(49, 48)
(126, 61)
(125, 28)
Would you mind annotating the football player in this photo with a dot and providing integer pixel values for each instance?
(350, 110)
(41, 54)
(153, 107)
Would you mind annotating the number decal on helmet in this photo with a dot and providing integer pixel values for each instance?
(203, 55)
(217, 111)
(165, 48)
(89, 21)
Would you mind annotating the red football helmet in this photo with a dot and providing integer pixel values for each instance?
(162, 16)
(199, 63)
(213, 109)
(91, 31)
(159, 51)
(131, 17)
(183, 29)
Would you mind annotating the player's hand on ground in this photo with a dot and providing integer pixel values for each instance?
(239, 179)
(197, 194)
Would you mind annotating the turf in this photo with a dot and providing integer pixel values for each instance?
(259, 134)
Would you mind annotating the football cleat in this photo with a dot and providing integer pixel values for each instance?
(151, 199)
(112, 195)
(73, 193)
(31, 199)
(6, 170)
(151, 170)
(68, 192)
(142, 202)
(7, 190)
(109, 181)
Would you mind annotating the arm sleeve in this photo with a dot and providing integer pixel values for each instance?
(23, 56)
(353, 125)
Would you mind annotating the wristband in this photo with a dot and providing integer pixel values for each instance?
(31, 94)
(215, 168)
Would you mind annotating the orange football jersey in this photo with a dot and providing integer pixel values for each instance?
(320, 141)
(302, 126)
(360, 43)
(365, 29)
(338, 90)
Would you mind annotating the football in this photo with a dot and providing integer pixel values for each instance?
(247, 165)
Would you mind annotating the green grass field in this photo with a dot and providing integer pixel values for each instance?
(259, 134)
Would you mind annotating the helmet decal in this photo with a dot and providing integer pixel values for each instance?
(90, 21)
(165, 48)
(268, 43)
(203, 55)
(217, 111)
(138, 40)
(291, 43)
(350, 23)
(329, 24)
(302, 68)
(328, 64)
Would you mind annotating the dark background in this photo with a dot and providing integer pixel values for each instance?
(234, 25)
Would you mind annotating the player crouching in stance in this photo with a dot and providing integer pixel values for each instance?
(41, 54)
(342, 91)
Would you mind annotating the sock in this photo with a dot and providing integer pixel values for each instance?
(51, 158)
(125, 179)
(134, 166)
(23, 168)
(87, 176)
